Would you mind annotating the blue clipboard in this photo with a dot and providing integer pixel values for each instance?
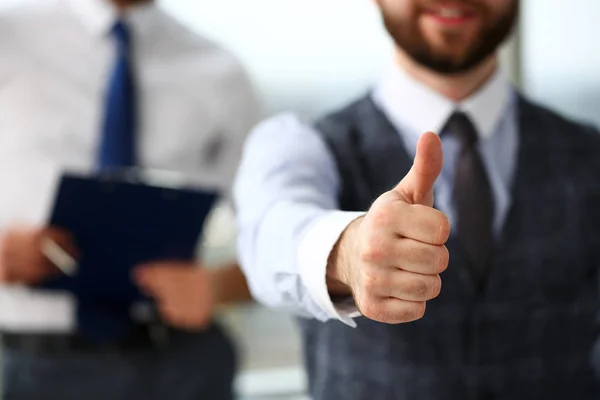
(120, 223)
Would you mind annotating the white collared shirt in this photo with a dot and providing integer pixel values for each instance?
(196, 106)
(416, 108)
(288, 184)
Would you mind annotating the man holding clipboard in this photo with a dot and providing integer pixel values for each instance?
(96, 88)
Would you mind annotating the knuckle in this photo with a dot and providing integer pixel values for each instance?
(419, 253)
(381, 315)
(373, 250)
(404, 251)
(419, 288)
(374, 309)
(419, 310)
(370, 253)
(405, 212)
(443, 228)
(412, 312)
(380, 215)
(443, 259)
(413, 252)
(369, 280)
(437, 286)
(386, 198)
(406, 313)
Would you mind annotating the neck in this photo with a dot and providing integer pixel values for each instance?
(125, 4)
(455, 87)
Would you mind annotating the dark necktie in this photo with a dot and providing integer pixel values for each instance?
(99, 321)
(117, 143)
(472, 196)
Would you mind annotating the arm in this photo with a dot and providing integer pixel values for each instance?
(286, 199)
(229, 285)
(298, 251)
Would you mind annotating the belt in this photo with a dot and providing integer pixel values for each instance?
(142, 337)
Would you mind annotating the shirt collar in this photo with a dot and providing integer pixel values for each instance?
(99, 16)
(410, 104)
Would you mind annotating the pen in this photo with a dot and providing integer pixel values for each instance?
(59, 257)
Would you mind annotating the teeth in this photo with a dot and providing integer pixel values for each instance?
(450, 13)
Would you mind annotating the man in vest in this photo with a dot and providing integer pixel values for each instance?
(339, 222)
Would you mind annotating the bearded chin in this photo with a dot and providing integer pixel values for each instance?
(451, 65)
(408, 38)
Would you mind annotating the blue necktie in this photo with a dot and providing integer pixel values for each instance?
(117, 145)
(97, 321)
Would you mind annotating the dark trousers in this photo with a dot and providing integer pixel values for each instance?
(191, 366)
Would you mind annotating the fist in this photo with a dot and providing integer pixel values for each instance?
(398, 247)
(21, 258)
(183, 293)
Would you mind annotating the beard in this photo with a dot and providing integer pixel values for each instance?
(408, 36)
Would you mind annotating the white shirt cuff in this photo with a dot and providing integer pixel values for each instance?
(313, 253)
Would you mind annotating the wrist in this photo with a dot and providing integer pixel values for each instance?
(214, 285)
(228, 285)
(340, 262)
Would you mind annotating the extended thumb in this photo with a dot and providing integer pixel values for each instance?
(417, 185)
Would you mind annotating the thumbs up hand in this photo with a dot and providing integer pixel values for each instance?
(390, 259)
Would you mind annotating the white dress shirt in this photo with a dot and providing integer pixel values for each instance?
(196, 106)
(288, 185)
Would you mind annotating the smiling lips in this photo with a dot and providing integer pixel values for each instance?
(451, 14)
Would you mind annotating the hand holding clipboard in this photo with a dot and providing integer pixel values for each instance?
(119, 223)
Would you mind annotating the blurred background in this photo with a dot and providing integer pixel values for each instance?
(326, 52)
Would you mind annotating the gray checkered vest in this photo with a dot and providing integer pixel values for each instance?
(530, 331)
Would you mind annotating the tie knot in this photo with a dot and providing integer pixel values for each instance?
(122, 33)
(462, 128)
